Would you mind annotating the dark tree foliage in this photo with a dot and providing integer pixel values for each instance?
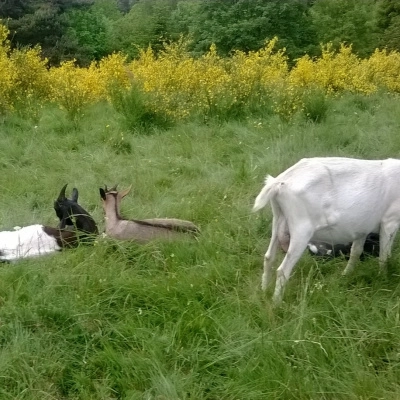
(389, 23)
(347, 21)
(125, 5)
(246, 24)
(14, 8)
(88, 30)
(147, 23)
(43, 23)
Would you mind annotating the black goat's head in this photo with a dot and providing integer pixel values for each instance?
(71, 214)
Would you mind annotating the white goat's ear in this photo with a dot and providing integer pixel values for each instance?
(75, 195)
(123, 193)
(102, 193)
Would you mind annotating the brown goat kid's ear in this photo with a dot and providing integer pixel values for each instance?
(102, 193)
(123, 193)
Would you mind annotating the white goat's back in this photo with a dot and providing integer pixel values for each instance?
(28, 241)
(335, 200)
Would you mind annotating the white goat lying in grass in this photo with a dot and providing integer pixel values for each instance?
(334, 200)
(34, 240)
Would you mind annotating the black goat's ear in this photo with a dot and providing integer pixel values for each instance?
(75, 195)
(102, 193)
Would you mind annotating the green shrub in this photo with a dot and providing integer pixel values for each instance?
(315, 105)
(134, 107)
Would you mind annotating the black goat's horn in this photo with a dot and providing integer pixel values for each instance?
(61, 196)
(114, 188)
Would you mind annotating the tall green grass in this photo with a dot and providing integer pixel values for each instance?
(187, 320)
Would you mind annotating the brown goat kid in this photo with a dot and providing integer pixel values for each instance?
(141, 231)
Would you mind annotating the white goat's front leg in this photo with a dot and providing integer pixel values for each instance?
(355, 252)
(298, 243)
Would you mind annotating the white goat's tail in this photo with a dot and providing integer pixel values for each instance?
(266, 194)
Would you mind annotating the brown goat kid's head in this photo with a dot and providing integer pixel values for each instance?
(112, 195)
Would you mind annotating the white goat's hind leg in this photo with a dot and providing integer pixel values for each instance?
(386, 237)
(298, 243)
(279, 227)
(269, 258)
(355, 252)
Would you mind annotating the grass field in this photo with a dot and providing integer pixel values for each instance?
(187, 320)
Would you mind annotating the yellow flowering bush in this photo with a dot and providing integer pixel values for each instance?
(23, 77)
(212, 88)
(258, 74)
(30, 83)
(73, 88)
(113, 72)
(31, 78)
(384, 69)
(7, 72)
(176, 85)
(335, 72)
(180, 84)
(166, 79)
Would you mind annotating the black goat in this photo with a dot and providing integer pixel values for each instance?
(323, 249)
(76, 225)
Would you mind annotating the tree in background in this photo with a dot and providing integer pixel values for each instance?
(42, 22)
(147, 23)
(246, 24)
(349, 21)
(389, 23)
(90, 31)
(125, 5)
(14, 9)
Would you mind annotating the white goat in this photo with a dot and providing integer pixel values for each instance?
(335, 200)
(35, 240)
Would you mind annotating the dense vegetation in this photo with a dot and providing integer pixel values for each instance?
(88, 30)
(187, 320)
(160, 90)
(195, 132)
